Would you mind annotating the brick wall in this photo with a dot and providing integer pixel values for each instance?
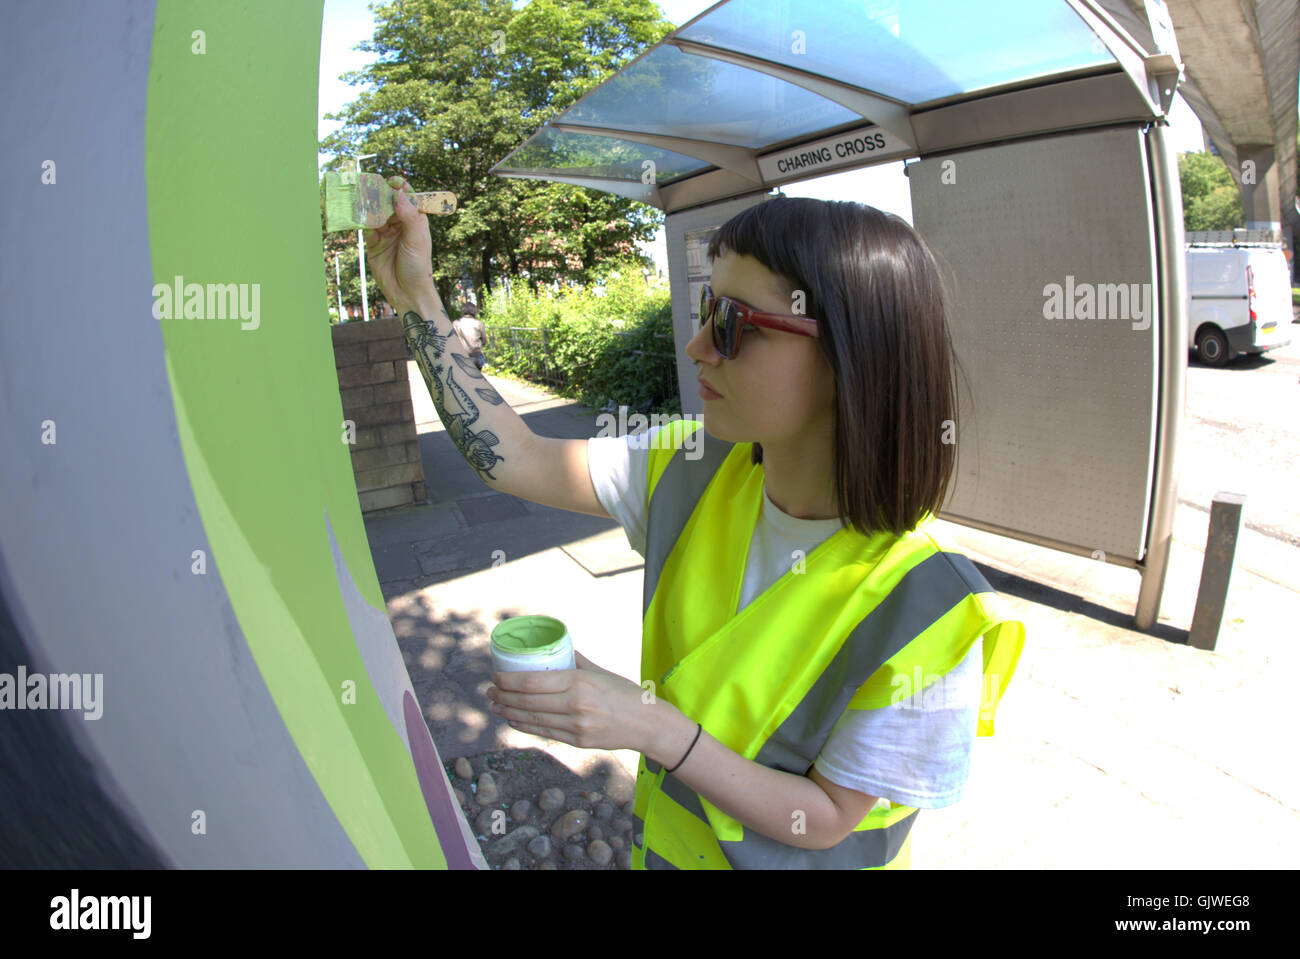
(371, 362)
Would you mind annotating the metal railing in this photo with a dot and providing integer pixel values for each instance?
(665, 385)
(1238, 237)
(528, 351)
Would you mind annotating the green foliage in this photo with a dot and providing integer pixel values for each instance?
(459, 85)
(1211, 199)
(609, 348)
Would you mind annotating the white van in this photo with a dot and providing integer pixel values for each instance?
(1240, 300)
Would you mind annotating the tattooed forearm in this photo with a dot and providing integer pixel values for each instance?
(457, 409)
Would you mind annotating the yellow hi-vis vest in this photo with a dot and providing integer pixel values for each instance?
(866, 622)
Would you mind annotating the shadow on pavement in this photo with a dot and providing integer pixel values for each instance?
(1036, 592)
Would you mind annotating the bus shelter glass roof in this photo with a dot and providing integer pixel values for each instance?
(581, 155)
(682, 95)
(908, 51)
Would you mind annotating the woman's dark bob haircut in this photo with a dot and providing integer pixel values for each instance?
(874, 286)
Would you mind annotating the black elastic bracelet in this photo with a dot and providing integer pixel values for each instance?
(698, 729)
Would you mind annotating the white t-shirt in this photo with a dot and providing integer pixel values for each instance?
(902, 753)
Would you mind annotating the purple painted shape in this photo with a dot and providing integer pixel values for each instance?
(437, 797)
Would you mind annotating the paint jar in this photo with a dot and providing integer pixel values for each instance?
(529, 643)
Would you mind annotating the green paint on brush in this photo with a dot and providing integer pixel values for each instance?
(356, 201)
(365, 201)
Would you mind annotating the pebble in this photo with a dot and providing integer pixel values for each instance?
(600, 852)
(624, 859)
(521, 810)
(604, 811)
(615, 842)
(487, 793)
(511, 863)
(464, 770)
(594, 832)
(573, 852)
(570, 824)
(548, 865)
(540, 846)
(460, 797)
(511, 840)
(629, 809)
(552, 798)
(592, 797)
(621, 825)
(639, 840)
(487, 819)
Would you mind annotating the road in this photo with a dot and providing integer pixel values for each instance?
(1242, 435)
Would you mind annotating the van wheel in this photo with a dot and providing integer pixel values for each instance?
(1212, 348)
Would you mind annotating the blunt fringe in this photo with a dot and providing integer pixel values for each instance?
(874, 286)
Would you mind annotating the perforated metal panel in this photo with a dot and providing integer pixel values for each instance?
(1057, 428)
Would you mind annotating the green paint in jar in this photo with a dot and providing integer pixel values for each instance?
(529, 643)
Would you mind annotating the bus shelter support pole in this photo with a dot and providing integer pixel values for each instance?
(1171, 368)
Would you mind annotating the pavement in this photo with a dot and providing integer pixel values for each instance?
(1115, 749)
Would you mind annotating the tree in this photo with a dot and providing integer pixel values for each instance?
(461, 83)
(1211, 199)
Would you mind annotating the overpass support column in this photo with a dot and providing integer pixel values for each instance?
(1261, 192)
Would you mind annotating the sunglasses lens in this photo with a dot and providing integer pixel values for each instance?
(725, 328)
(725, 317)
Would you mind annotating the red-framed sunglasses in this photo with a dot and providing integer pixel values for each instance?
(730, 318)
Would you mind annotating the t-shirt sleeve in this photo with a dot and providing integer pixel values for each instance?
(619, 466)
(915, 752)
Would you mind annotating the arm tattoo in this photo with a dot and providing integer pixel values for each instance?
(428, 348)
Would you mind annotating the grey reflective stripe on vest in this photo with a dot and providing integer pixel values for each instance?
(675, 496)
(652, 859)
(928, 590)
(655, 861)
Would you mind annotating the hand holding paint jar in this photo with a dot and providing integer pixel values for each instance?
(531, 643)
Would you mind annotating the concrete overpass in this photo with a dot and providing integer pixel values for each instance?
(1241, 62)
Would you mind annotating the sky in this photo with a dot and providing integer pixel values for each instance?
(348, 22)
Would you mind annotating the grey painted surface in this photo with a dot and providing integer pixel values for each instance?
(54, 811)
(376, 643)
(1056, 438)
(97, 529)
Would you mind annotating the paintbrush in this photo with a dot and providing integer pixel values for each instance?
(365, 201)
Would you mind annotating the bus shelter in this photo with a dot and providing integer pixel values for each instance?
(1041, 171)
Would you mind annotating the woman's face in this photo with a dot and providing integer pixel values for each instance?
(779, 388)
